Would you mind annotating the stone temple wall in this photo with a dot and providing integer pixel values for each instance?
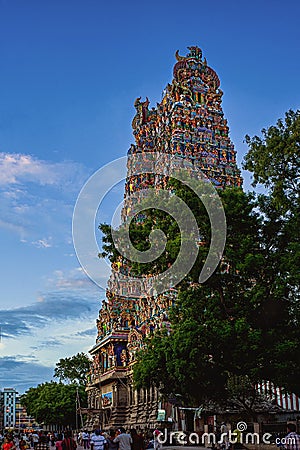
(189, 125)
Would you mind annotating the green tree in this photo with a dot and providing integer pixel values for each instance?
(274, 160)
(240, 323)
(54, 403)
(210, 321)
(73, 369)
(243, 322)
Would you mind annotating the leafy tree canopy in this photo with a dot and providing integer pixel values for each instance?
(243, 322)
(232, 324)
(274, 161)
(73, 369)
(54, 403)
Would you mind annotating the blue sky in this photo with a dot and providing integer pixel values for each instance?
(69, 74)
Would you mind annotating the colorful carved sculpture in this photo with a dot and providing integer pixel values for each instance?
(189, 122)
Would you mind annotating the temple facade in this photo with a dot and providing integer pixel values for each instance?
(188, 124)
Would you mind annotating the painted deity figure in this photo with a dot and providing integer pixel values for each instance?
(123, 357)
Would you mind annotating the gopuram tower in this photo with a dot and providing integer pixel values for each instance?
(188, 124)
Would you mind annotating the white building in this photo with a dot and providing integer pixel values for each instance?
(9, 407)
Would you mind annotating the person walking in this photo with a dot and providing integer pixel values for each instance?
(8, 443)
(68, 442)
(42, 443)
(111, 445)
(85, 439)
(292, 439)
(225, 444)
(79, 438)
(35, 439)
(123, 439)
(98, 442)
(58, 443)
(52, 439)
(137, 440)
(22, 444)
(156, 441)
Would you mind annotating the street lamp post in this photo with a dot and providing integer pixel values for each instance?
(76, 412)
(78, 407)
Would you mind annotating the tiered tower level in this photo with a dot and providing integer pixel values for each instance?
(188, 123)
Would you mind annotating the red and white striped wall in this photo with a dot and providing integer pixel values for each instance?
(286, 401)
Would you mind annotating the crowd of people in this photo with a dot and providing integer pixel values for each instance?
(97, 440)
(37, 440)
(234, 439)
(120, 439)
(117, 439)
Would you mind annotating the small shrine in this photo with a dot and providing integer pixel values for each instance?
(188, 123)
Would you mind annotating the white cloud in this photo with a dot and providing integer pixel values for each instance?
(15, 228)
(22, 372)
(37, 198)
(43, 243)
(59, 306)
(18, 168)
(15, 167)
(12, 193)
(61, 323)
(73, 279)
(21, 209)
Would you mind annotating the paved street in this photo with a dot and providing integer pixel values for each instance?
(174, 447)
(169, 447)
